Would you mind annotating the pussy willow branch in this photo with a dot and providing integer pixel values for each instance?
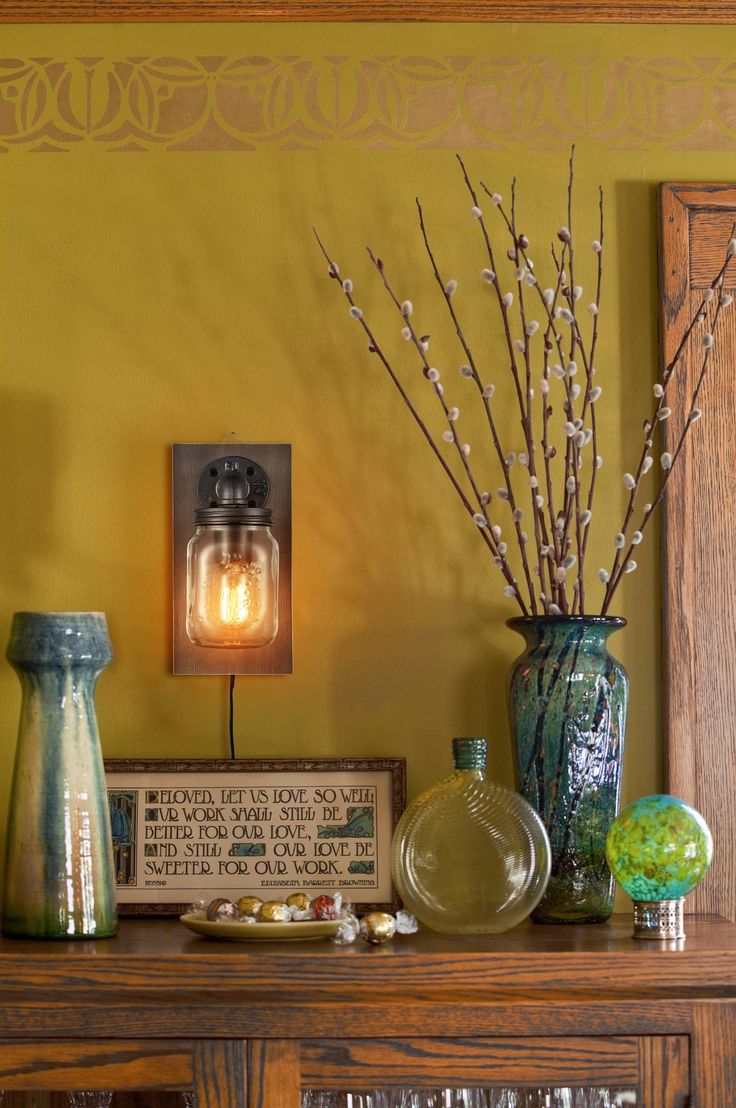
(375, 348)
(549, 453)
(621, 560)
(591, 368)
(503, 308)
(447, 297)
(523, 395)
(569, 524)
(438, 389)
(540, 535)
(572, 453)
(548, 310)
(486, 528)
(617, 574)
(573, 501)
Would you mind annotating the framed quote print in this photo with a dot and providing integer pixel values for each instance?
(187, 831)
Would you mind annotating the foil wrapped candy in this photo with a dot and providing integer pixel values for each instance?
(374, 928)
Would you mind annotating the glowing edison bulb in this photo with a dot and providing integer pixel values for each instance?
(232, 585)
(240, 594)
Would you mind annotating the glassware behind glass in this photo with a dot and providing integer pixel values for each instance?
(502, 1098)
(470, 856)
(91, 1100)
(372, 1098)
(470, 1097)
(324, 1098)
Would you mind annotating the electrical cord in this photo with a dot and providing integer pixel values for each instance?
(232, 740)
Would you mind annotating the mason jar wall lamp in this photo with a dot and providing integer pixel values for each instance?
(232, 558)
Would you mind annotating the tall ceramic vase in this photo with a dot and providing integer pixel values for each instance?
(59, 878)
(568, 699)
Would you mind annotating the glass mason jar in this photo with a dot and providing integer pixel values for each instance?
(232, 578)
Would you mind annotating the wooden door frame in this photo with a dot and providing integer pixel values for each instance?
(698, 746)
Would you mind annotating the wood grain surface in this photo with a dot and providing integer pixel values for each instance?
(572, 1004)
(533, 1060)
(103, 1064)
(219, 1074)
(699, 512)
(714, 1056)
(472, 11)
(553, 1014)
(664, 1071)
(154, 957)
(274, 1074)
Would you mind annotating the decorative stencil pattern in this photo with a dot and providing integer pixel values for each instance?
(381, 102)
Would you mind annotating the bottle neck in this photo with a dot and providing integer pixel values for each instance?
(470, 754)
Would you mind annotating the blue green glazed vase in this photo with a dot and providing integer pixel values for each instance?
(568, 698)
(59, 878)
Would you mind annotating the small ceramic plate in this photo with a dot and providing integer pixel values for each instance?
(235, 932)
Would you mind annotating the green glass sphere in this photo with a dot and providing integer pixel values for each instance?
(659, 848)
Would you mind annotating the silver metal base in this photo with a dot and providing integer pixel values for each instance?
(659, 919)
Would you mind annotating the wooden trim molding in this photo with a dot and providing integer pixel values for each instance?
(699, 603)
(339, 11)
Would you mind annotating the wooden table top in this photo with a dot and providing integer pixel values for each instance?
(161, 955)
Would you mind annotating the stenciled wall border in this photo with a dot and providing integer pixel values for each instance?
(381, 102)
(494, 11)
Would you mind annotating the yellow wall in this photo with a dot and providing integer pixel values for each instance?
(160, 284)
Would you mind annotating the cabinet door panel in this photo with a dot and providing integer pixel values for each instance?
(99, 1064)
(664, 1071)
(565, 1061)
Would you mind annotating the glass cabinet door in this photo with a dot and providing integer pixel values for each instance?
(551, 1097)
(98, 1099)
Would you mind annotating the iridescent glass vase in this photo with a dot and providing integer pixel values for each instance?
(567, 698)
(59, 880)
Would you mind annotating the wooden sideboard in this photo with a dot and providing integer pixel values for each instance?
(249, 1024)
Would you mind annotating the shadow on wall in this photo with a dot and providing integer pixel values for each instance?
(412, 590)
(390, 663)
(29, 456)
(636, 215)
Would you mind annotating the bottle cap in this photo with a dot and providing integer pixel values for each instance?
(469, 753)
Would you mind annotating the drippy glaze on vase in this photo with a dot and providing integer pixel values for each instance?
(568, 699)
(59, 879)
